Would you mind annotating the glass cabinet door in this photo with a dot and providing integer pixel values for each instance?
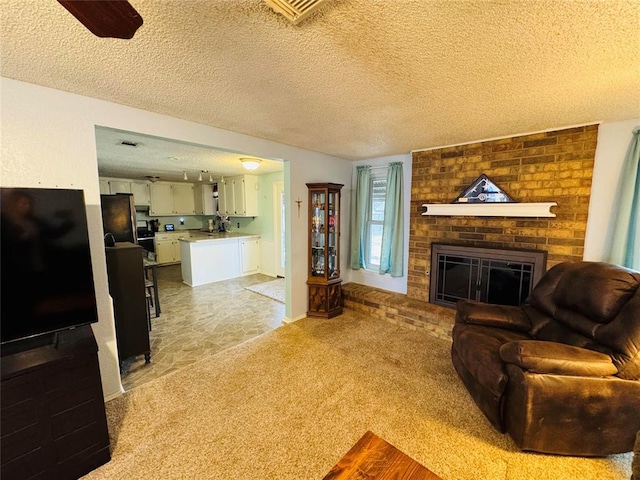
(333, 261)
(325, 234)
(318, 243)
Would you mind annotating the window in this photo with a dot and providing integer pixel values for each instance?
(377, 220)
(373, 245)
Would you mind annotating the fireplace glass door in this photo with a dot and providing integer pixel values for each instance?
(503, 277)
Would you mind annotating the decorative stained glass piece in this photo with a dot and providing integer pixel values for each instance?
(483, 190)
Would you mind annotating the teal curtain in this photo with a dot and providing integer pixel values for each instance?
(392, 255)
(625, 246)
(359, 216)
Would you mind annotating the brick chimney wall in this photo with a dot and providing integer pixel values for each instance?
(552, 166)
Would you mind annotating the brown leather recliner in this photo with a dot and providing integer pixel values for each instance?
(560, 373)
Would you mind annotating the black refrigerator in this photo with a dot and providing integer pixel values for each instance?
(119, 217)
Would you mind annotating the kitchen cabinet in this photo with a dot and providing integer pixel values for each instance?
(222, 197)
(110, 186)
(238, 196)
(183, 201)
(104, 187)
(208, 258)
(161, 199)
(324, 283)
(141, 193)
(119, 186)
(249, 256)
(139, 189)
(171, 199)
(204, 201)
(168, 247)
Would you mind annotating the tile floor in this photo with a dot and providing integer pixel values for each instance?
(200, 321)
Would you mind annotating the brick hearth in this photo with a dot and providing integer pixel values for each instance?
(399, 309)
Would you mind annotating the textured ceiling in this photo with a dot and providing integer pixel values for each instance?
(167, 160)
(357, 79)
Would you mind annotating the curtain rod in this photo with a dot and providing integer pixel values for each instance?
(377, 167)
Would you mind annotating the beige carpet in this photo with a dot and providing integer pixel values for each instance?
(288, 404)
(273, 289)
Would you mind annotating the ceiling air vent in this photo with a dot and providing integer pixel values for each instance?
(129, 143)
(295, 10)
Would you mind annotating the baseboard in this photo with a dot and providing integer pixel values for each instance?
(114, 395)
(286, 320)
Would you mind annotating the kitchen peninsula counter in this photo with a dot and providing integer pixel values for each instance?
(200, 236)
(216, 256)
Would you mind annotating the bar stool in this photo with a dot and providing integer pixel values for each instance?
(149, 288)
(148, 302)
(151, 285)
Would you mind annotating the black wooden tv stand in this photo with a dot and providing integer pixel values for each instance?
(52, 408)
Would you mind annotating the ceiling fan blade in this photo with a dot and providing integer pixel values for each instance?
(105, 18)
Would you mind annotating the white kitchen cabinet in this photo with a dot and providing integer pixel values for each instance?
(249, 256)
(104, 187)
(114, 185)
(119, 186)
(223, 202)
(161, 199)
(204, 201)
(171, 199)
(139, 189)
(168, 247)
(141, 193)
(240, 196)
(183, 201)
(164, 248)
(207, 259)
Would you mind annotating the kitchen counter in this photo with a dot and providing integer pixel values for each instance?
(212, 236)
(212, 257)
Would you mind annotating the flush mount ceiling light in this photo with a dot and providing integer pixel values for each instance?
(250, 163)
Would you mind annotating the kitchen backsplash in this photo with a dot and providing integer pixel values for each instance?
(192, 221)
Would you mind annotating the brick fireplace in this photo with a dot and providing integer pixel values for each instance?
(554, 166)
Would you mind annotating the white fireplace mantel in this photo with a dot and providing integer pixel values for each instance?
(542, 209)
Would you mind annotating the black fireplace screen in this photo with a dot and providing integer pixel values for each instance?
(504, 277)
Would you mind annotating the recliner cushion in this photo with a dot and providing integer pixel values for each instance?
(596, 290)
(552, 357)
(479, 350)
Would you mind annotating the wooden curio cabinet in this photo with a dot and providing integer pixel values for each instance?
(325, 295)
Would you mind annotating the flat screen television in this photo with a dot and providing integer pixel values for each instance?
(46, 273)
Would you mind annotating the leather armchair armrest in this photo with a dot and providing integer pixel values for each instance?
(500, 316)
(557, 358)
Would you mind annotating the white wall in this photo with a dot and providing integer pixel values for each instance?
(374, 279)
(613, 142)
(296, 269)
(48, 140)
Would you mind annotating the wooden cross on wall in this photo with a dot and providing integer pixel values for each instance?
(298, 201)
